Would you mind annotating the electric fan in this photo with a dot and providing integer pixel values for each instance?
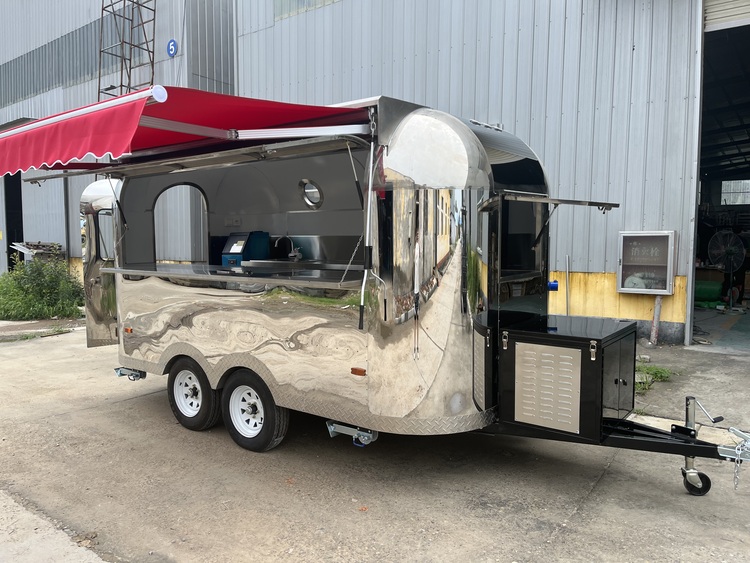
(726, 250)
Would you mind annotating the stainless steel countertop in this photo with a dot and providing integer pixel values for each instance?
(304, 273)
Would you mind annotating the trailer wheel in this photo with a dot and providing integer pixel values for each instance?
(195, 405)
(250, 414)
(698, 491)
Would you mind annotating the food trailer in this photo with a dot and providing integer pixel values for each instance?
(379, 264)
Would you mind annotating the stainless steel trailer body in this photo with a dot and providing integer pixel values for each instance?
(379, 264)
(295, 322)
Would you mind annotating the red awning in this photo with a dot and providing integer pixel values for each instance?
(159, 120)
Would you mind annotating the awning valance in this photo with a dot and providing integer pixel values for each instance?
(160, 120)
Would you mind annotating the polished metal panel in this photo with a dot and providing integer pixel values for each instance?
(97, 205)
(435, 150)
(548, 386)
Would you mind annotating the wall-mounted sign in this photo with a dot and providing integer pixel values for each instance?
(171, 47)
(646, 263)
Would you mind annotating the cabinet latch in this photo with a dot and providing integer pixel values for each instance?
(592, 349)
(505, 340)
(488, 340)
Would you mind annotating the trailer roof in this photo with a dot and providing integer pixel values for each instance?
(160, 120)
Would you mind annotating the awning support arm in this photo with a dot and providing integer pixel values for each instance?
(292, 132)
(544, 227)
(368, 222)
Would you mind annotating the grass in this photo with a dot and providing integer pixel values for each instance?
(649, 375)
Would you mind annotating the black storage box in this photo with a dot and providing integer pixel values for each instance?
(565, 374)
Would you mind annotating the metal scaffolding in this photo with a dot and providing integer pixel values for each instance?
(126, 46)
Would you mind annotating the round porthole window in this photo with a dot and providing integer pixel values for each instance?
(312, 195)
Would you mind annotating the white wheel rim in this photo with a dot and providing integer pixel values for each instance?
(246, 411)
(188, 395)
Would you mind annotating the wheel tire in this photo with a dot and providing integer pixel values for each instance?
(195, 405)
(250, 414)
(698, 491)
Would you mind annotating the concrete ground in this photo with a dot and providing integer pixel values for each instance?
(92, 466)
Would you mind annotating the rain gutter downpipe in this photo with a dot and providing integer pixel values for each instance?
(694, 169)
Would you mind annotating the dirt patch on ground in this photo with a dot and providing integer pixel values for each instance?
(17, 330)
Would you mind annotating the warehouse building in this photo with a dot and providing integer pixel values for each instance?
(645, 103)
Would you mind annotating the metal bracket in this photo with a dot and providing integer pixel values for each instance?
(360, 436)
(131, 374)
(684, 431)
(737, 453)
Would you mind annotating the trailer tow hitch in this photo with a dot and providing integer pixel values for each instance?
(696, 482)
(740, 453)
(131, 374)
(360, 436)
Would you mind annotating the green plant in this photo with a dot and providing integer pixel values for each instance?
(650, 374)
(40, 289)
(655, 372)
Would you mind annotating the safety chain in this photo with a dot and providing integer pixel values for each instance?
(352, 258)
(743, 446)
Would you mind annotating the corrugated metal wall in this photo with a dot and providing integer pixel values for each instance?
(604, 92)
(31, 24)
(211, 56)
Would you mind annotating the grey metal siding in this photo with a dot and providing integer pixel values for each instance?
(63, 61)
(43, 217)
(211, 45)
(31, 24)
(604, 92)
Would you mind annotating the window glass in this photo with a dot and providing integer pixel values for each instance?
(106, 235)
(735, 192)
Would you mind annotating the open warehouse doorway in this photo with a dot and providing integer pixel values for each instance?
(722, 274)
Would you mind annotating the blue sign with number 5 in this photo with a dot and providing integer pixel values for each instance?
(172, 48)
